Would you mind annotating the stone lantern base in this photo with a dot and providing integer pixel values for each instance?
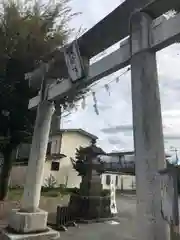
(90, 203)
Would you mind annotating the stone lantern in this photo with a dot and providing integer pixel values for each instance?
(88, 203)
(91, 182)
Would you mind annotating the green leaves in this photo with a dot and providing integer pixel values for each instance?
(28, 31)
(31, 30)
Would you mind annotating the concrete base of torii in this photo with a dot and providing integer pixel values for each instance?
(49, 234)
(24, 225)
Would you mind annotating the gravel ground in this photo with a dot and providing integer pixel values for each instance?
(125, 230)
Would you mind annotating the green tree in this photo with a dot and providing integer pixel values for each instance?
(28, 31)
(80, 163)
(83, 159)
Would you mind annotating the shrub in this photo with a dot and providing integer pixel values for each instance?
(50, 182)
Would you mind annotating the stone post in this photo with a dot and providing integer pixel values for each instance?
(147, 126)
(34, 176)
(30, 222)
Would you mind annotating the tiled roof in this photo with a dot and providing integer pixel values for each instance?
(78, 130)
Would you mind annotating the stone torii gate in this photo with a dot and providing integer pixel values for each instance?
(148, 34)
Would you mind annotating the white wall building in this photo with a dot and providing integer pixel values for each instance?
(119, 161)
(61, 148)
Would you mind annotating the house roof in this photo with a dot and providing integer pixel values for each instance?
(131, 153)
(55, 156)
(77, 130)
(121, 153)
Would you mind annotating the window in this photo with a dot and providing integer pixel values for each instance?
(116, 180)
(55, 166)
(49, 148)
(108, 179)
(23, 151)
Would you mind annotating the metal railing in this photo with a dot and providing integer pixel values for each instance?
(87, 208)
(64, 218)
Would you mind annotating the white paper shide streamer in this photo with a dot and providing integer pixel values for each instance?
(107, 89)
(83, 103)
(95, 103)
(93, 93)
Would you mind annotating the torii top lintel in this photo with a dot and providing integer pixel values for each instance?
(107, 32)
(115, 26)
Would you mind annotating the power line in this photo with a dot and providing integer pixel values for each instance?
(114, 79)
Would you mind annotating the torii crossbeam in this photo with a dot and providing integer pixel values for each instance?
(163, 32)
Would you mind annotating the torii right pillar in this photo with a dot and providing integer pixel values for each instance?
(148, 134)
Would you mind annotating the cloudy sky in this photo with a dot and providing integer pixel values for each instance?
(113, 125)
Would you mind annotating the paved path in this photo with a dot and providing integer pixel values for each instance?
(125, 230)
(99, 231)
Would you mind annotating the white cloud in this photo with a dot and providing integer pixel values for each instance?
(116, 110)
(92, 11)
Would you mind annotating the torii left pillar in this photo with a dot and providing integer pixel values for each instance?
(30, 222)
